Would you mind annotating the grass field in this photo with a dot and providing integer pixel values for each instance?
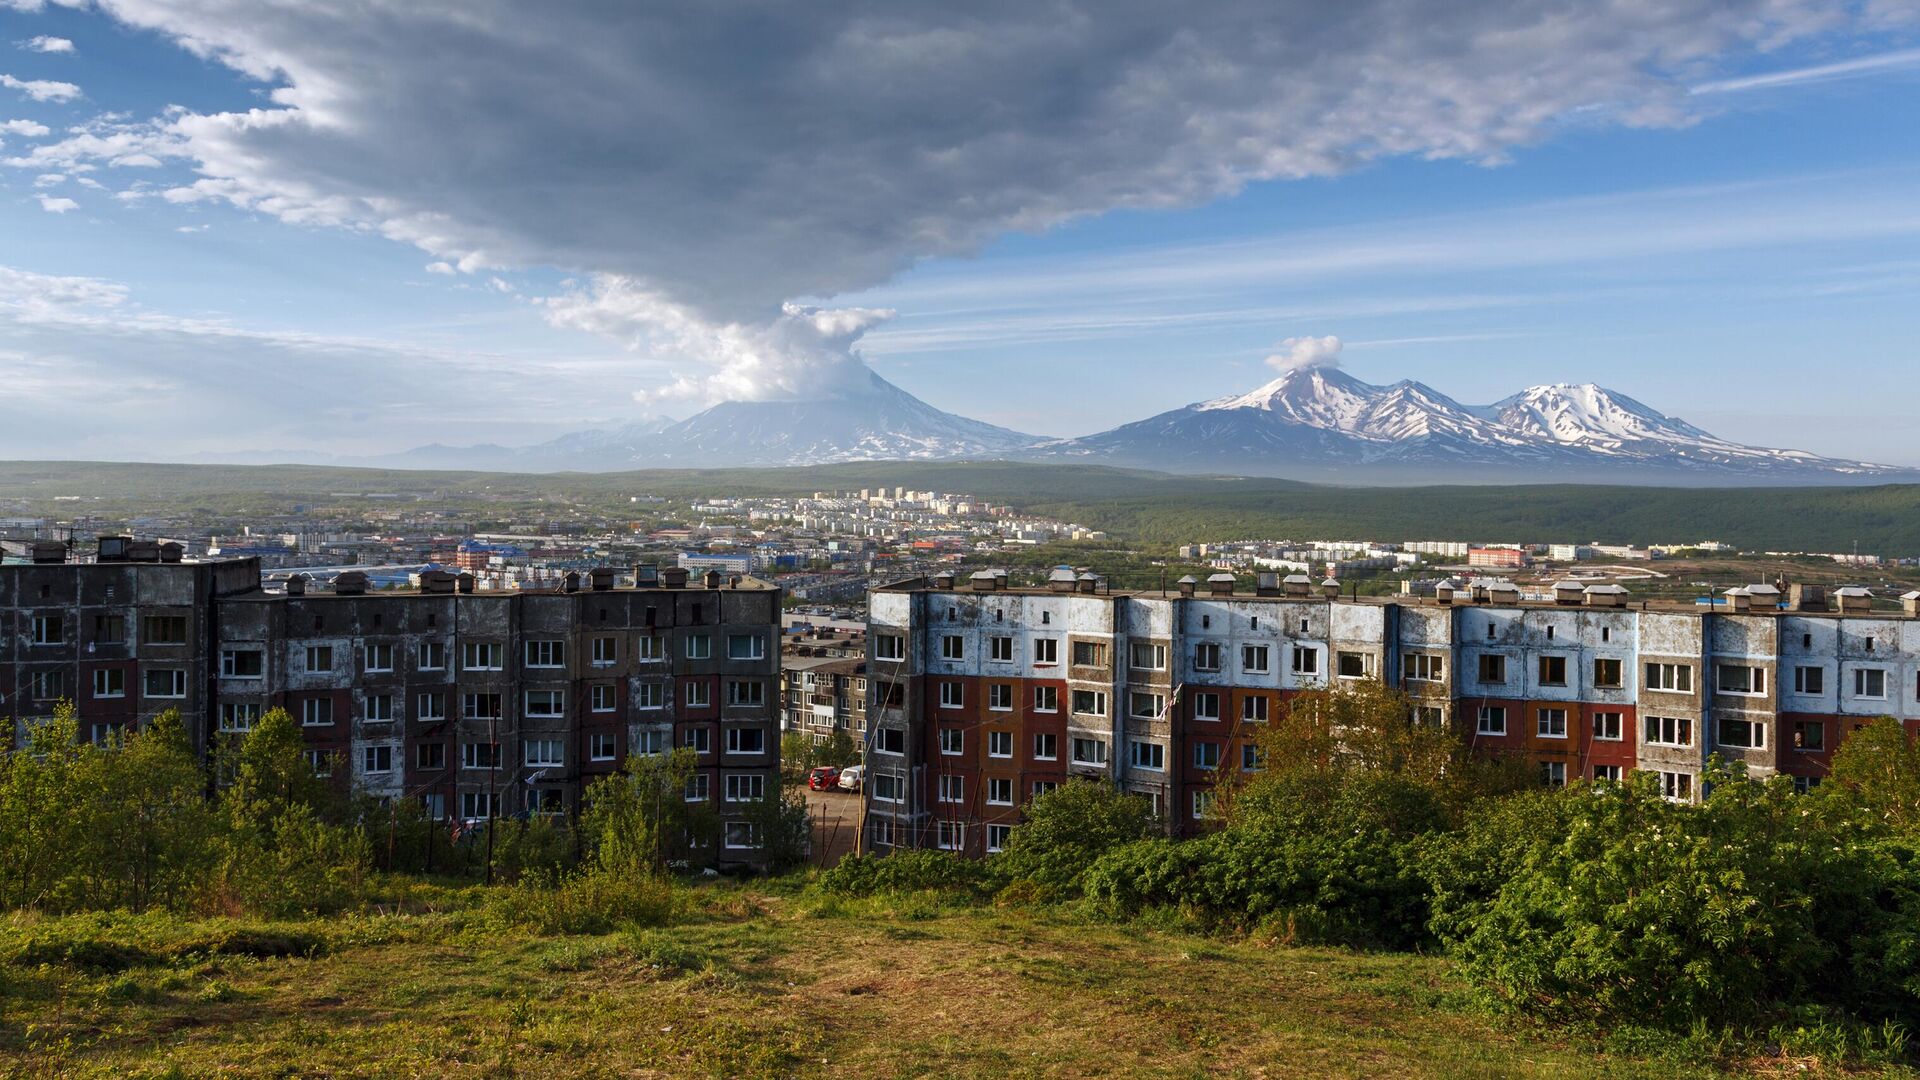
(757, 981)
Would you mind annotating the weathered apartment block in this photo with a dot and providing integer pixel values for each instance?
(477, 704)
(981, 697)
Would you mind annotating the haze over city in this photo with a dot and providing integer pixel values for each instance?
(359, 230)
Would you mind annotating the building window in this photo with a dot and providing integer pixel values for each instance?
(1306, 661)
(890, 647)
(887, 787)
(238, 715)
(606, 651)
(602, 698)
(432, 755)
(1553, 671)
(1042, 787)
(547, 752)
(1354, 665)
(1089, 752)
(479, 805)
(433, 656)
(480, 755)
(997, 836)
(1606, 674)
(1089, 654)
(1674, 678)
(1809, 680)
(1493, 668)
(1553, 774)
(547, 801)
(242, 664)
(1804, 784)
(1000, 697)
(952, 740)
(481, 655)
(1429, 716)
(746, 693)
(953, 789)
(1000, 649)
(1551, 724)
(1206, 656)
(109, 683)
(606, 746)
(699, 694)
(1740, 679)
(890, 740)
(699, 647)
(1254, 659)
(546, 704)
(377, 657)
(47, 685)
(1202, 805)
(646, 695)
(1206, 755)
(649, 649)
(376, 759)
(699, 740)
(746, 647)
(999, 791)
(1253, 710)
(165, 683)
(480, 707)
(1206, 705)
(649, 742)
(1252, 758)
(546, 654)
(1146, 706)
(1147, 657)
(1046, 699)
(951, 835)
(320, 761)
(1809, 735)
(1090, 702)
(1000, 744)
(744, 787)
(953, 695)
(379, 708)
(1608, 726)
(697, 787)
(164, 630)
(1869, 682)
(1425, 667)
(1046, 747)
(1669, 730)
(1606, 773)
(319, 659)
(110, 629)
(316, 712)
(953, 647)
(1750, 734)
(1493, 720)
(1046, 651)
(1146, 755)
(1677, 786)
(746, 741)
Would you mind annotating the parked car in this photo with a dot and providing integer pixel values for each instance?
(852, 777)
(822, 778)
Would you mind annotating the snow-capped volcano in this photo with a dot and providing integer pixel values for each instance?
(1319, 422)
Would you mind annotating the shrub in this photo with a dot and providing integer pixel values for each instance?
(588, 902)
(1068, 828)
(907, 871)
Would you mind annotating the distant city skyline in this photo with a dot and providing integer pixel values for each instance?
(362, 231)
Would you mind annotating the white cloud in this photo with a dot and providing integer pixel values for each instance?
(190, 228)
(29, 128)
(720, 162)
(52, 179)
(42, 89)
(1306, 354)
(1844, 69)
(46, 44)
(54, 205)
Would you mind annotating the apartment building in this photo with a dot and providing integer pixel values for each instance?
(820, 695)
(478, 704)
(981, 697)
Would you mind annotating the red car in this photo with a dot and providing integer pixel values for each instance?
(823, 778)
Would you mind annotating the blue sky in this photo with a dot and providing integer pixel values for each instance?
(1731, 236)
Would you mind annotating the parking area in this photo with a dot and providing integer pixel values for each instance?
(836, 824)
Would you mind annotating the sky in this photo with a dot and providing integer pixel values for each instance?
(227, 226)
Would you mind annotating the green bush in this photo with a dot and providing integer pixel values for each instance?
(908, 871)
(1066, 829)
(588, 902)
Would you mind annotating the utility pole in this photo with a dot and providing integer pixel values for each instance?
(493, 766)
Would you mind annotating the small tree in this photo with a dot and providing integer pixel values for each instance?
(1066, 829)
(1877, 770)
(638, 820)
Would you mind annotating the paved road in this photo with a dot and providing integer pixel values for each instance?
(836, 824)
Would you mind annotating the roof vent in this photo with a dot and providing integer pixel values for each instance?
(984, 581)
(1807, 597)
(1854, 600)
(49, 551)
(143, 551)
(112, 549)
(1739, 599)
(1606, 596)
(711, 579)
(351, 583)
(1443, 592)
(1503, 592)
(1087, 583)
(1266, 583)
(943, 581)
(1297, 585)
(1220, 584)
(1765, 597)
(1063, 579)
(601, 577)
(1187, 585)
(464, 583)
(570, 581)
(297, 585)
(646, 576)
(673, 577)
(437, 582)
(171, 552)
(1910, 603)
(1567, 592)
(1330, 588)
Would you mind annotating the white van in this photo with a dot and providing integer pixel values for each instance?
(852, 777)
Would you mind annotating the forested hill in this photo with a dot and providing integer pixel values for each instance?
(1130, 503)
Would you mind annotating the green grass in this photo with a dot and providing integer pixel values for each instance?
(758, 981)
